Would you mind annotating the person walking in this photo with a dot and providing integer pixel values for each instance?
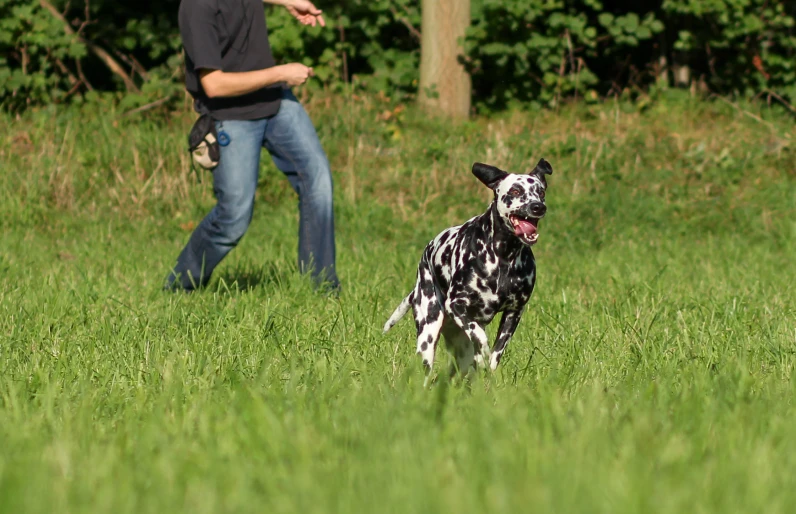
(233, 77)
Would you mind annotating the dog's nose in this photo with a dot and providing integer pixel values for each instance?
(538, 209)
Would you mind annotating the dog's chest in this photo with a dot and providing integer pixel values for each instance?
(509, 282)
(471, 270)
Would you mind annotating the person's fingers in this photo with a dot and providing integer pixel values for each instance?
(308, 14)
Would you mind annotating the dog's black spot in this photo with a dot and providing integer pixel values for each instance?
(424, 346)
(446, 254)
(434, 310)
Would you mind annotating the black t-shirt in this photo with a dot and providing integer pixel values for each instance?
(227, 35)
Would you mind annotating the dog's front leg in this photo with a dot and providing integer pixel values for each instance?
(508, 324)
(456, 308)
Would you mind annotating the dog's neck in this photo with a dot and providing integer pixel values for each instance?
(506, 245)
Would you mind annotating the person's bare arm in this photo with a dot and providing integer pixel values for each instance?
(217, 83)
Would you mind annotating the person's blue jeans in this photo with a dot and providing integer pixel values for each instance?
(290, 138)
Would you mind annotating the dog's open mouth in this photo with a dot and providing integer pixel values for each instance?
(527, 229)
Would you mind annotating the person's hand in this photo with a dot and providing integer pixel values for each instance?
(305, 12)
(295, 74)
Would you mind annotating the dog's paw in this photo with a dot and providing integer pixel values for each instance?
(494, 360)
(481, 359)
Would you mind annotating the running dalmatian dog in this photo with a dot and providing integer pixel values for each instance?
(471, 272)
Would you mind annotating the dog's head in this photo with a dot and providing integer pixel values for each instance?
(519, 199)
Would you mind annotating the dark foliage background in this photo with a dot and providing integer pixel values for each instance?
(527, 52)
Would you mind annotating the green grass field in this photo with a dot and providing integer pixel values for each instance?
(652, 372)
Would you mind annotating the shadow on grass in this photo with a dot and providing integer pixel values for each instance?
(245, 278)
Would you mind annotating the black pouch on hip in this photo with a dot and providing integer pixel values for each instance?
(203, 143)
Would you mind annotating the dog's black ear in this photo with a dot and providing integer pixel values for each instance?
(489, 175)
(542, 168)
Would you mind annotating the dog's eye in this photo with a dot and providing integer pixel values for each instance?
(515, 191)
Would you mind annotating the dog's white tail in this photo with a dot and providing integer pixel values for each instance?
(398, 313)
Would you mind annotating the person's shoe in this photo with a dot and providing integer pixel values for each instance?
(333, 291)
(329, 289)
(173, 285)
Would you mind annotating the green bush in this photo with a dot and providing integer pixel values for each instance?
(518, 51)
(367, 41)
(543, 50)
(32, 45)
(746, 46)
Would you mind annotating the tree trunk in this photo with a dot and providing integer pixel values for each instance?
(445, 85)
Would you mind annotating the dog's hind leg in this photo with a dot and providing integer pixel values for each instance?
(428, 316)
(455, 309)
(461, 348)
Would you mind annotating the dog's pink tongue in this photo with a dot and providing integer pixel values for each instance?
(525, 228)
